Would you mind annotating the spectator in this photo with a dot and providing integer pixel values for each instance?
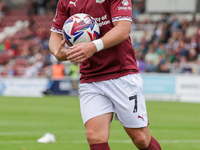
(10, 46)
(32, 71)
(140, 61)
(161, 49)
(31, 22)
(35, 6)
(175, 67)
(2, 49)
(135, 11)
(58, 70)
(29, 8)
(185, 65)
(170, 56)
(175, 24)
(42, 7)
(51, 7)
(183, 48)
(135, 43)
(3, 9)
(192, 54)
(152, 59)
(26, 51)
(163, 67)
(74, 71)
(58, 73)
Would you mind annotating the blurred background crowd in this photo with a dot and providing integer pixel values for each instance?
(164, 42)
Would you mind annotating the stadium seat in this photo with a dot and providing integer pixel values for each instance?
(188, 17)
(197, 16)
(5, 58)
(155, 17)
(2, 36)
(10, 31)
(143, 17)
(21, 62)
(16, 12)
(137, 34)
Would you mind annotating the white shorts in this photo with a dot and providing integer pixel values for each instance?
(123, 96)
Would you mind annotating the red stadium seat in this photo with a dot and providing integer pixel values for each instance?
(21, 62)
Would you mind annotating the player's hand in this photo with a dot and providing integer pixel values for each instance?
(81, 52)
(60, 54)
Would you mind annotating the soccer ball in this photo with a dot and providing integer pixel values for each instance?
(80, 28)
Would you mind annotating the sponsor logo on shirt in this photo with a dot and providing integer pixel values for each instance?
(125, 3)
(100, 1)
(125, 6)
(103, 20)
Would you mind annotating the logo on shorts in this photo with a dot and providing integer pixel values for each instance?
(141, 117)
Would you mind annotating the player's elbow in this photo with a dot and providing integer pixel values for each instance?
(126, 36)
(126, 26)
(126, 33)
(54, 42)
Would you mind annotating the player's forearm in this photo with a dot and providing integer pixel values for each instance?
(54, 42)
(117, 34)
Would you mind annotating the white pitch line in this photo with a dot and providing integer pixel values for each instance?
(70, 131)
(180, 141)
(160, 141)
(40, 132)
(19, 133)
(110, 141)
(16, 142)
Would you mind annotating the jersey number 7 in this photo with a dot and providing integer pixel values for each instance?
(135, 104)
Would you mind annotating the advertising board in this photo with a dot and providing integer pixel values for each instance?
(156, 6)
(161, 84)
(22, 87)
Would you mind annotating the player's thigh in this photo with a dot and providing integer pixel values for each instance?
(97, 111)
(92, 102)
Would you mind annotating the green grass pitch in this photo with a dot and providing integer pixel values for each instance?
(23, 120)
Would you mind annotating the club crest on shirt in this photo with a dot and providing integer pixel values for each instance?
(100, 1)
(125, 2)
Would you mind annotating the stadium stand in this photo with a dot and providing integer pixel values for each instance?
(24, 37)
(173, 39)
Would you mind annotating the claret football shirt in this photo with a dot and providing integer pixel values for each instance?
(109, 63)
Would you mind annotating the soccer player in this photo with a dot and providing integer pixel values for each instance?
(110, 79)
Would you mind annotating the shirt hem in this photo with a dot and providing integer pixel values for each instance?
(107, 77)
